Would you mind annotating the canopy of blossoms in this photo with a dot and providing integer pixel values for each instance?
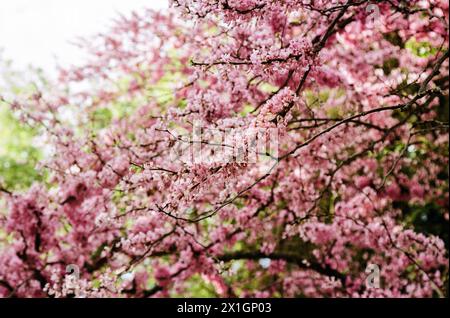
(143, 201)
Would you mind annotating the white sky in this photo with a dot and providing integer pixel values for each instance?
(36, 31)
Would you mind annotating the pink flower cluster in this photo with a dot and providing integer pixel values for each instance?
(361, 162)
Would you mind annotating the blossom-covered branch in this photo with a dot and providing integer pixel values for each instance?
(157, 185)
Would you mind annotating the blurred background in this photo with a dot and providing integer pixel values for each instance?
(39, 33)
(35, 37)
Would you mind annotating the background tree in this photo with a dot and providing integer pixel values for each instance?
(359, 96)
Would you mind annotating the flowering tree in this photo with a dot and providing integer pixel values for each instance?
(352, 202)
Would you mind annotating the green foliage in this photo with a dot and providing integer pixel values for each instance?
(326, 206)
(101, 118)
(18, 154)
(18, 151)
(428, 219)
(394, 38)
(389, 65)
(420, 49)
(199, 288)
